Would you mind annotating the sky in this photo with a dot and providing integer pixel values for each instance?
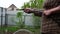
(7, 3)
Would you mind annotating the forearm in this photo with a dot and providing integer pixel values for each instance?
(51, 11)
(37, 12)
(54, 9)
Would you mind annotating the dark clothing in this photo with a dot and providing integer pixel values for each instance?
(46, 33)
(51, 24)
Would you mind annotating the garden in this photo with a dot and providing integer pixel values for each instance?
(20, 24)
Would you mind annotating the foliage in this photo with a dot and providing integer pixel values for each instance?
(20, 23)
(19, 14)
(34, 4)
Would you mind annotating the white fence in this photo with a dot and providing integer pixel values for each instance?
(10, 18)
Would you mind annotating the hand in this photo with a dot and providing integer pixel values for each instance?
(47, 12)
(28, 10)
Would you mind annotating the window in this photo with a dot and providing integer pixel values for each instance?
(12, 9)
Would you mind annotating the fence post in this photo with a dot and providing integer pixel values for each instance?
(6, 18)
(1, 16)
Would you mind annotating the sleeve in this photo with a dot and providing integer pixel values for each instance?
(38, 13)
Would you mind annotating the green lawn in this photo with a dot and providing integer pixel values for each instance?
(13, 29)
(9, 28)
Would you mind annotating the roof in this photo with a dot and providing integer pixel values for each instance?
(12, 6)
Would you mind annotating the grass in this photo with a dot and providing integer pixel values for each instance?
(13, 29)
(9, 28)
